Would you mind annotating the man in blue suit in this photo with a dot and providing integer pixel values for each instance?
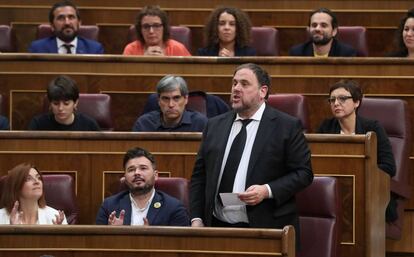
(65, 21)
(141, 204)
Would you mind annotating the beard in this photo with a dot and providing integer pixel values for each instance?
(321, 41)
(141, 190)
(66, 37)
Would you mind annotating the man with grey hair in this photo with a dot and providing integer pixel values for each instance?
(172, 117)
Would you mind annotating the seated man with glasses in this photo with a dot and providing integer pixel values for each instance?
(153, 35)
(172, 117)
(345, 97)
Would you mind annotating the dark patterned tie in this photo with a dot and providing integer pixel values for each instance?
(233, 160)
(68, 48)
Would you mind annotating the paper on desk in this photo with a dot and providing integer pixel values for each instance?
(231, 199)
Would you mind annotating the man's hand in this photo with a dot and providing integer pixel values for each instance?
(254, 194)
(197, 223)
(113, 220)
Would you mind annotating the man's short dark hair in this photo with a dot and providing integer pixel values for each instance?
(62, 4)
(151, 10)
(62, 88)
(262, 76)
(334, 20)
(137, 152)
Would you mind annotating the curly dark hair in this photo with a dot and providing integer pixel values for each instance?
(400, 49)
(152, 10)
(243, 26)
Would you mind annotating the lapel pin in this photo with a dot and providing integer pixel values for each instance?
(157, 205)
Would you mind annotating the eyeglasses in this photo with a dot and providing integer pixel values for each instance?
(155, 26)
(341, 99)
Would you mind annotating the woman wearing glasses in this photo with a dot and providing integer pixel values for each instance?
(23, 200)
(153, 35)
(344, 99)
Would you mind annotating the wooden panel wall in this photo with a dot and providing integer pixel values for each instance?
(128, 241)
(97, 159)
(129, 80)
(261, 4)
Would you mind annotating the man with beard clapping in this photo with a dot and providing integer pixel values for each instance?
(141, 204)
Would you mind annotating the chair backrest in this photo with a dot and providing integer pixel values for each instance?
(265, 40)
(59, 193)
(174, 186)
(319, 207)
(354, 36)
(86, 31)
(6, 39)
(394, 116)
(293, 104)
(181, 34)
(209, 105)
(97, 106)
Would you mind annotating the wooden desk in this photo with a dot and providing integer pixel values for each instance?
(95, 160)
(85, 241)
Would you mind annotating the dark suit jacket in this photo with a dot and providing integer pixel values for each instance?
(385, 157)
(238, 51)
(280, 158)
(338, 49)
(49, 45)
(170, 213)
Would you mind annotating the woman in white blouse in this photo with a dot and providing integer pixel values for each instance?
(23, 200)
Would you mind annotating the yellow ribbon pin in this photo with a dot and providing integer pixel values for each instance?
(157, 205)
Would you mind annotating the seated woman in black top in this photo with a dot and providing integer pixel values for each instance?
(345, 97)
(63, 96)
(405, 37)
(227, 34)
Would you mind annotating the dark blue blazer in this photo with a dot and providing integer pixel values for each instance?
(171, 212)
(4, 123)
(49, 45)
(238, 51)
(338, 49)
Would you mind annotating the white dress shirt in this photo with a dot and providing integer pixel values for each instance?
(138, 214)
(62, 49)
(234, 214)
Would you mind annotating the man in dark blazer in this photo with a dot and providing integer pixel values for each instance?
(141, 204)
(275, 163)
(65, 21)
(323, 28)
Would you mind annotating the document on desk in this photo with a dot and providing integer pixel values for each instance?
(231, 199)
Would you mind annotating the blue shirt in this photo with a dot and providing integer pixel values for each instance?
(151, 122)
(4, 123)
